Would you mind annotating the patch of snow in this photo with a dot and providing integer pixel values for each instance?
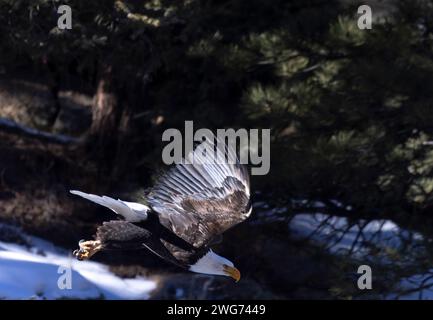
(180, 293)
(340, 235)
(310, 203)
(28, 272)
(415, 287)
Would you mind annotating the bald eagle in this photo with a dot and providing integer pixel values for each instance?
(186, 211)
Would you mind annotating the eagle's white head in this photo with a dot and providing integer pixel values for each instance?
(211, 263)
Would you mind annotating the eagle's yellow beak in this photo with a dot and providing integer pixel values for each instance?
(232, 272)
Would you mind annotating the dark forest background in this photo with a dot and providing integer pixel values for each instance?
(350, 113)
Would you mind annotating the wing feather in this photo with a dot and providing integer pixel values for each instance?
(131, 211)
(199, 201)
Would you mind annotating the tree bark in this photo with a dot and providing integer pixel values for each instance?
(106, 112)
(105, 108)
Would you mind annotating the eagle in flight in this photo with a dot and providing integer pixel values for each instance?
(186, 212)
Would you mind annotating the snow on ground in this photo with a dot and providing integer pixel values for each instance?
(339, 235)
(33, 271)
(415, 287)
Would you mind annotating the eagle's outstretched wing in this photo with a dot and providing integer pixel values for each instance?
(199, 201)
(131, 211)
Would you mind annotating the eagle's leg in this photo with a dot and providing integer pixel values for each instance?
(113, 235)
(87, 249)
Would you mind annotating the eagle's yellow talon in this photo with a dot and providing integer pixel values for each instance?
(87, 249)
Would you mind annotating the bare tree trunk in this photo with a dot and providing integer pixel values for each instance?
(106, 112)
(105, 108)
(124, 151)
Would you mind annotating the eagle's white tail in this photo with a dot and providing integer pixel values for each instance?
(131, 211)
